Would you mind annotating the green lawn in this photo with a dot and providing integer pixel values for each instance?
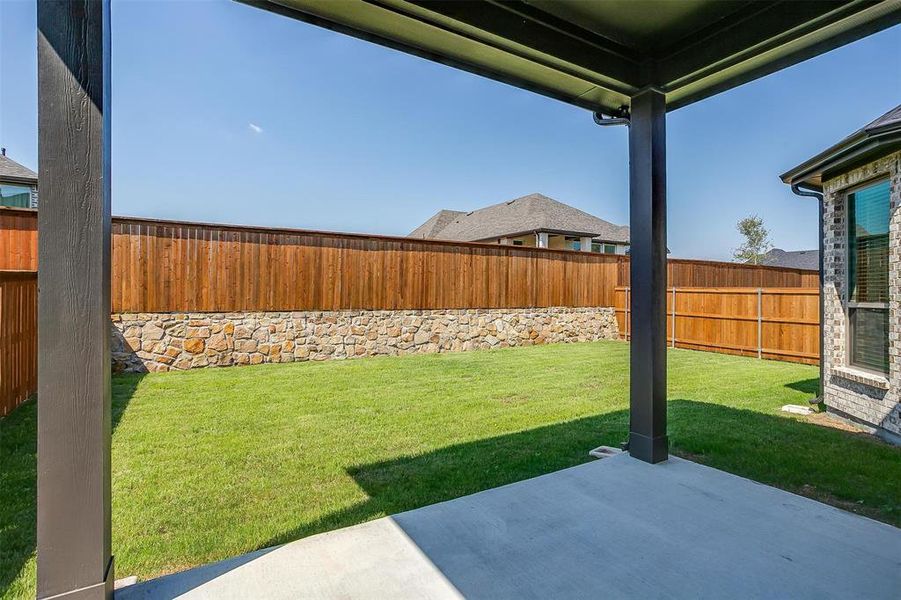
(216, 462)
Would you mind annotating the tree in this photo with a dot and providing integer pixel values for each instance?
(757, 240)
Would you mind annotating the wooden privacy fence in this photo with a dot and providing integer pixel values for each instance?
(166, 266)
(708, 273)
(161, 266)
(18, 338)
(776, 323)
(18, 239)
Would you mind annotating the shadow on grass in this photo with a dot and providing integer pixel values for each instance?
(806, 386)
(409, 482)
(18, 478)
(838, 467)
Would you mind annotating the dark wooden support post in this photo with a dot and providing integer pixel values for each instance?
(647, 198)
(73, 514)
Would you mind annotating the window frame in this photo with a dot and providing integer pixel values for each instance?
(28, 189)
(850, 305)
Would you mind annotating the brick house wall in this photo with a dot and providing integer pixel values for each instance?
(863, 397)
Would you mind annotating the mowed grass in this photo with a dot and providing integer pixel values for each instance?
(212, 463)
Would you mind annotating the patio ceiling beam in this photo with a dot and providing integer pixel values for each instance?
(422, 32)
(528, 27)
(647, 222)
(74, 558)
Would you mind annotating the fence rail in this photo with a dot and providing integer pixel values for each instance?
(776, 323)
(18, 338)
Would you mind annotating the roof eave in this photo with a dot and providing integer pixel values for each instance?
(850, 150)
(568, 232)
(18, 180)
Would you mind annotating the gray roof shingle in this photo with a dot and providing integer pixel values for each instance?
(890, 118)
(535, 212)
(434, 225)
(794, 259)
(10, 170)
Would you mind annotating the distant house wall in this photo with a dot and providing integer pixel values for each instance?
(865, 397)
(527, 241)
(561, 242)
(621, 249)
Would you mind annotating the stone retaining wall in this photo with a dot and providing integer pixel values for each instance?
(165, 341)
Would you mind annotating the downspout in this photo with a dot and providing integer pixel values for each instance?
(607, 121)
(817, 192)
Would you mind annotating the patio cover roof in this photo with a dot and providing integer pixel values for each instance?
(598, 55)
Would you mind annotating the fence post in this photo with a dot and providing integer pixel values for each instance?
(628, 324)
(674, 316)
(759, 322)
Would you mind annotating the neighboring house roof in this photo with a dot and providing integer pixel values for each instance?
(12, 171)
(535, 212)
(433, 226)
(793, 259)
(879, 137)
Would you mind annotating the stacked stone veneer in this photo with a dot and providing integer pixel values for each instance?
(870, 399)
(165, 341)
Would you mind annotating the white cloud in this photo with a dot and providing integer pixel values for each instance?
(255, 128)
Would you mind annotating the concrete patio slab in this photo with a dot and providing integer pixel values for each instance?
(614, 528)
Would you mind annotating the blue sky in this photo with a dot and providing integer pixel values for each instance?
(222, 112)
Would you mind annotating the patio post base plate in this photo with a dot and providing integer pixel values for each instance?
(649, 449)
